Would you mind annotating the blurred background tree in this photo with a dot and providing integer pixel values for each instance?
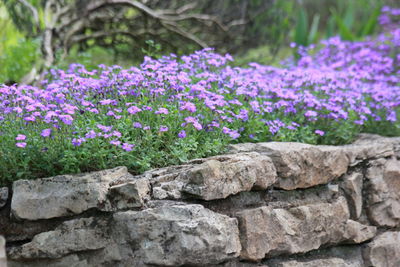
(39, 34)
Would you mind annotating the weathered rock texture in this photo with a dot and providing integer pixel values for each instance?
(63, 195)
(384, 250)
(267, 232)
(266, 204)
(3, 196)
(3, 258)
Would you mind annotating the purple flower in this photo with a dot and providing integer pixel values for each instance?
(67, 119)
(133, 110)
(20, 137)
(137, 125)
(127, 147)
(107, 102)
(194, 122)
(163, 128)
(188, 106)
(21, 144)
(182, 134)
(319, 132)
(46, 133)
(30, 118)
(115, 142)
(90, 135)
(162, 111)
(116, 134)
(77, 141)
(310, 113)
(105, 129)
(232, 133)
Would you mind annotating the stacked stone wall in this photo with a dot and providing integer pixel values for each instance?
(265, 204)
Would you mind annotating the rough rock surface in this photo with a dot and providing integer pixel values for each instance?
(72, 236)
(266, 232)
(216, 177)
(329, 262)
(352, 186)
(383, 193)
(132, 194)
(383, 251)
(301, 165)
(3, 258)
(346, 256)
(3, 196)
(67, 261)
(226, 175)
(63, 195)
(179, 235)
(268, 204)
(371, 146)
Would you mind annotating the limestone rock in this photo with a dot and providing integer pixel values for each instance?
(329, 262)
(67, 261)
(354, 232)
(3, 196)
(215, 177)
(383, 192)
(237, 263)
(63, 195)
(72, 236)
(369, 146)
(383, 251)
(132, 194)
(274, 198)
(3, 258)
(179, 235)
(221, 176)
(352, 186)
(339, 256)
(266, 232)
(301, 165)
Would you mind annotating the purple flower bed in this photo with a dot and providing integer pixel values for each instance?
(172, 109)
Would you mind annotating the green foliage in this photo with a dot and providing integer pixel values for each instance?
(263, 55)
(92, 57)
(270, 27)
(305, 35)
(153, 49)
(18, 54)
(350, 31)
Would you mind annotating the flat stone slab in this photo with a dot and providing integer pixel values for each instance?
(267, 232)
(72, 236)
(131, 194)
(3, 196)
(383, 192)
(300, 165)
(215, 177)
(179, 235)
(352, 186)
(383, 251)
(63, 195)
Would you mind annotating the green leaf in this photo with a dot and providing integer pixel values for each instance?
(301, 30)
(344, 31)
(370, 26)
(348, 19)
(330, 27)
(312, 37)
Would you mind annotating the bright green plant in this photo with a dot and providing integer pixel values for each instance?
(18, 54)
(304, 34)
(351, 31)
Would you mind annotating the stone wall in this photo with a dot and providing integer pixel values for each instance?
(266, 204)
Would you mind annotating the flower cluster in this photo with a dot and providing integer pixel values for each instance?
(180, 104)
